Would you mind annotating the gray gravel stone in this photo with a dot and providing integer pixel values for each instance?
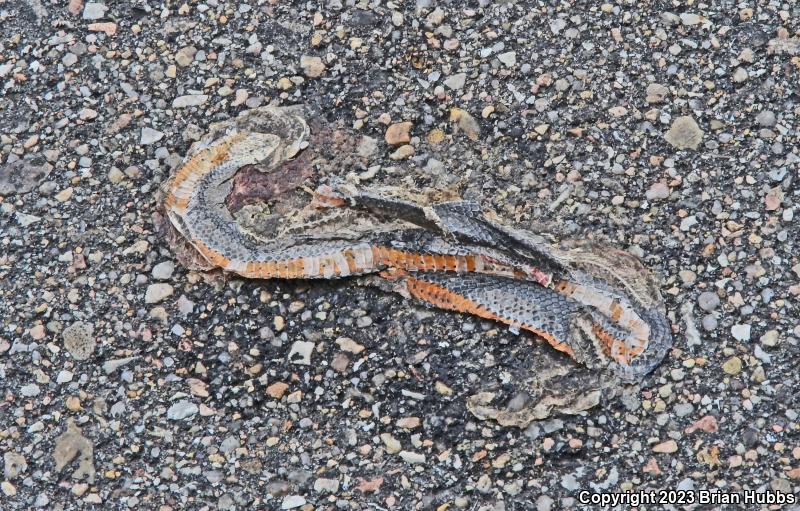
(29, 390)
(709, 323)
(14, 464)
(229, 444)
(112, 365)
(293, 502)
(157, 293)
(64, 376)
(150, 136)
(411, 457)
(182, 410)
(312, 66)
(326, 485)
(185, 306)
(22, 176)
(684, 133)
(509, 58)
(690, 19)
(741, 332)
(456, 81)
(688, 222)
(708, 301)
(762, 355)
(569, 482)
(544, 503)
(301, 352)
(187, 101)
(79, 340)
(69, 59)
(163, 270)
(766, 118)
(226, 502)
(658, 191)
(94, 10)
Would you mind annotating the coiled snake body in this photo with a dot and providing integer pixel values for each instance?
(598, 304)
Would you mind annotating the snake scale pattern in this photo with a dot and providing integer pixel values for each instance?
(597, 304)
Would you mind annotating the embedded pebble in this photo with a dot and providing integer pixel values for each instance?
(544, 503)
(157, 293)
(367, 146)
(64, 376)
(667, 447)
(163, 270)
(14, 464)
(293, 502)
(8, 489)
(22, 176)
(398, 133)
(29, 390)
(684, 133)
(393, 445)
(709, 323)
(71, 444)
(456, 81)
(689, 19)
(658, 191)
(150, 136)
(323, 485)
(766, 118)
(94, 10)
(740, 75)
(508, 59)
(79, 340)
(688, 222)
(569, 482)
(109, 366)
(312, 66)
(708, 301)
(741, 332)
(770, 338)
(412, 457)
(182, 410)
(185, 306)
(466, 123)
(185, 102)
(75, 7)
(732, 366)
(403, 152)
(349, 345)
(300, 352)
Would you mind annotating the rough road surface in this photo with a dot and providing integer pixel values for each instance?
(130, 382)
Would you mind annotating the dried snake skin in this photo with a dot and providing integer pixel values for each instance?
(597, 304)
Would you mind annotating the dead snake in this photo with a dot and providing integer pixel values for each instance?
(597, 304)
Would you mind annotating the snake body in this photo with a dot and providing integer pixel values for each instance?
(597, 304)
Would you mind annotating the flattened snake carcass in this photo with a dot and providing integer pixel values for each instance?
(597, 304)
